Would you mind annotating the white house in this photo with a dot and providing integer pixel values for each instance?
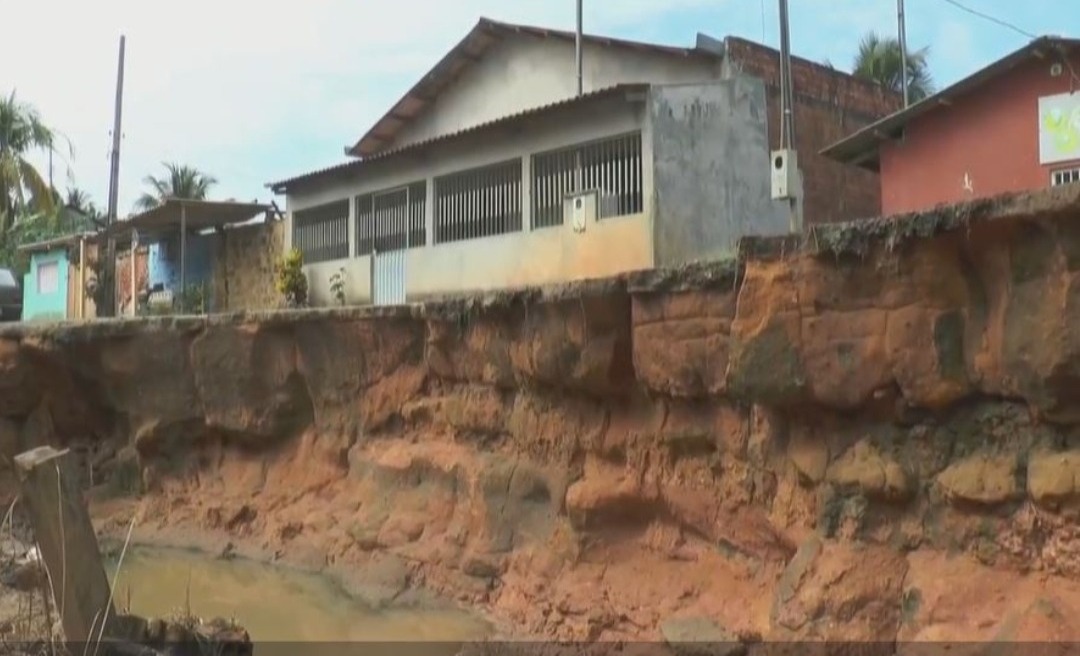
(492, 172)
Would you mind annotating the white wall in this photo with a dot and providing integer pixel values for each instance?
(547, 255)
(524, 72)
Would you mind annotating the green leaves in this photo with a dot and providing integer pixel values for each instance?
(879, 60)
(181, 181)
(21, 132)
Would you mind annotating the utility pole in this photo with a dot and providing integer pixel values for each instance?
(577, 44)
(903, 49)
(578, 175)
(787, 133)
(786, 178)
(109, 268)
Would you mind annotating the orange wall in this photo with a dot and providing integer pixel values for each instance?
(990, 135)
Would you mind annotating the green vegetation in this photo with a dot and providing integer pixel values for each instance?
(291, 281)
(180, 182)
(878, 59)
(31, 210)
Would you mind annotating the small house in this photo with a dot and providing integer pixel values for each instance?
(494, 170)
(55, 288)
(1012, 126)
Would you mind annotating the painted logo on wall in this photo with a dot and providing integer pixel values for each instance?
(1059, 128)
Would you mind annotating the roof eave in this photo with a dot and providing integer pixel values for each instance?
(630, 92)
(862, 147)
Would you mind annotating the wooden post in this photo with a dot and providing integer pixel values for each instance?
(66, 541)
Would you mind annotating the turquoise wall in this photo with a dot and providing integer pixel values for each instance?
(46, 307)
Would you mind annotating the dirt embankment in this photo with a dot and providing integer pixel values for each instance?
(868, 436)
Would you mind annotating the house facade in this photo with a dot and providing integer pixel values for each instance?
(1012, 126)
(54, 289)
(492, 172)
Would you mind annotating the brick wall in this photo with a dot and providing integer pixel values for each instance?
(244, 262)
(829, 105)
(123, 278)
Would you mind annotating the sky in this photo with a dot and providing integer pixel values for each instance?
(253, 92)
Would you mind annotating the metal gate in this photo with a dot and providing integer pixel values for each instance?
(389, 255)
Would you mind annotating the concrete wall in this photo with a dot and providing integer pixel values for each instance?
(829, 105)
(711, 169)
(526, 72)
(984, 143)
(522, 258)
(244, 263)
(50, 306)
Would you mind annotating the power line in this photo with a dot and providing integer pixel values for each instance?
(992, 19)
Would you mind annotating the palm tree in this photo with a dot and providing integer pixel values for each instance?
(21, 186)
(879, 60)
(181, 182)
(80, 211)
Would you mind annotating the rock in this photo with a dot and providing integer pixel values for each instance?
(982, 479)
(379, 582)
(248, 381)
(681, 341)
(1054, 478)
(864, 468)
(700, 636)
(840, 592)
(480, 567)
(810, 455)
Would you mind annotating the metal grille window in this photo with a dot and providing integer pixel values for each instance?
(391, 220)
(479, 202)
(611, 166)
(322, 233)
(1064, 176)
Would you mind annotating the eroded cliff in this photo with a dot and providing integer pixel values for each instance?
(868, 434)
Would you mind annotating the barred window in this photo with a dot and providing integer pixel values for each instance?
(479, 202)
(322, 233)
(611, 166)
(1064, 177)
(392, 219)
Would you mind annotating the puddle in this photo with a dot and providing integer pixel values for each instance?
(275, 604)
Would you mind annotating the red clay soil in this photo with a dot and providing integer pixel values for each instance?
(869, 436)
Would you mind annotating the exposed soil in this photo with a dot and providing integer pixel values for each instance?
(866, 435)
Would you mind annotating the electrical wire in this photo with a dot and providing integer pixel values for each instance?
(992, 19)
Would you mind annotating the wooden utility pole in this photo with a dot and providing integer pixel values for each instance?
(902, 29)
(66, 542)
(109, 268)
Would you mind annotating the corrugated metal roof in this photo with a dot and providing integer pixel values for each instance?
(197, 215)
(355, 165)
(861, 148)
(55, 242)
(469, 50)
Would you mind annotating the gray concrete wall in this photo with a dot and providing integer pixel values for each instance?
(525, 72)
(711, 172)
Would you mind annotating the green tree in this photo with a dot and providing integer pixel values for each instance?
(80, 212)
(21, 186)
(878, 59)
(180, 182)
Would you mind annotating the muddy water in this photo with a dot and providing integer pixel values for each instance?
(274, 604)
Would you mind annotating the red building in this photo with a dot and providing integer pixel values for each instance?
(1012, 126)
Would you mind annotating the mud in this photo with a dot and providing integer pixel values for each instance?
(870, 433)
